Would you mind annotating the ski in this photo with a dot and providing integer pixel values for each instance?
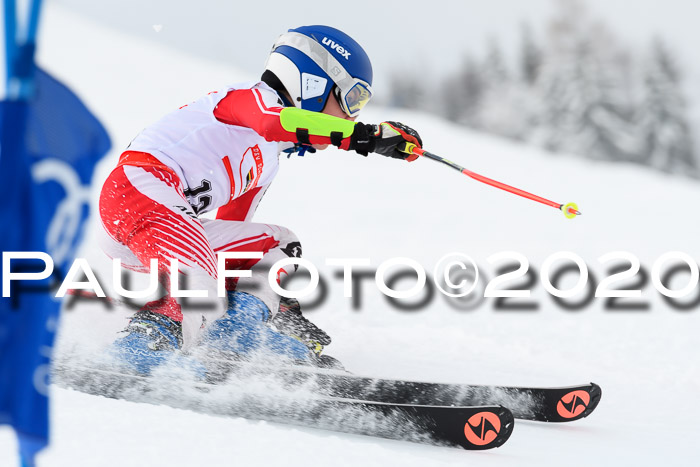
(557, 404)
(562, 404)
(467, 427)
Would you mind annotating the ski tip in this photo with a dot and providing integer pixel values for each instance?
(596, 393)
(577, 403)
(487, 429)
(507, 424)
(570, 210)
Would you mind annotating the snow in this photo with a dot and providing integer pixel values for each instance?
(343, 205)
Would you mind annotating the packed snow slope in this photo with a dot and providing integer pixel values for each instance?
(342, 205)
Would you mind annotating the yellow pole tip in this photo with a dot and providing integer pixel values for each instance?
(570, 210)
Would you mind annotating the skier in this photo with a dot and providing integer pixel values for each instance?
(221, 152)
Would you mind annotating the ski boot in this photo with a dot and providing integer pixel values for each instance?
(290, 322)
(244, 332)
(152, 339)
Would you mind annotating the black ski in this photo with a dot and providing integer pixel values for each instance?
(468, 427)
(560, 404)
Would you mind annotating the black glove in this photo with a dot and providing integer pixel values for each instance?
(388, 139)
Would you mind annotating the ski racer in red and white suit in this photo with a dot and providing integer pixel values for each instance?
(219, 152)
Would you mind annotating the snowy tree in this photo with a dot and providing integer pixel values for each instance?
(663, 117)
(504, 107)
(492, 113)
(577, 92)
(494, 69)
(586, 106)
(530, 55)
(486, 95)
(462, 94)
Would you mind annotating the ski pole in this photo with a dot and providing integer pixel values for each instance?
(570, 210)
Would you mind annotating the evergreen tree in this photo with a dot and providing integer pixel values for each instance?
(494, 69)
(530, 55)
(663, 119)
(586, 107)
(504, 108)
(462, 94)
(579, 92)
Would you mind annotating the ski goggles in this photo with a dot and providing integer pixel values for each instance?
(354, 99)
(352, 93)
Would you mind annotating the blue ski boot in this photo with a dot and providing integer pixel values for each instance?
(152, 340)
(244, 331)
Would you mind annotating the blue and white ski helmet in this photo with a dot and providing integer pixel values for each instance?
(312, 61)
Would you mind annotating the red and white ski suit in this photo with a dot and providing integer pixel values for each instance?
(219, 152)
